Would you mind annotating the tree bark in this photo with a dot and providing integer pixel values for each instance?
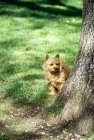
(77, 95)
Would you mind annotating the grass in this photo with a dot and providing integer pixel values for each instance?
(4, 136)
(22, 92)
(30, 30)
(54, 109)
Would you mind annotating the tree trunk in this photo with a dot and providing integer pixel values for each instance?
(77, 95)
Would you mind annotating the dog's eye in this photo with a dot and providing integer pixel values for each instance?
(51, 64)
(62, 67)
(57, 64)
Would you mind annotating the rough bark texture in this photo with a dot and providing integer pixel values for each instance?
(77, 95)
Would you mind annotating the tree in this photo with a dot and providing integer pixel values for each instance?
(77, 95)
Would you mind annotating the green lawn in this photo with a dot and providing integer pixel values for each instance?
(30, 30)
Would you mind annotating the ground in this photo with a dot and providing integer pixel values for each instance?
(27, 123)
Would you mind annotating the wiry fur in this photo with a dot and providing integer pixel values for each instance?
(64, 68)
(54, 74)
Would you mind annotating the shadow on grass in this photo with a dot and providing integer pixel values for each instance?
(7, 135)
(27, 136)
(70, 12)
(32, 77)
(2, 125)
(12, 43)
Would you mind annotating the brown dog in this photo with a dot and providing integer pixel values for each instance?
(64, 68)
(54, 74)
(64, 72)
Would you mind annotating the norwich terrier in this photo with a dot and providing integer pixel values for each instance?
(64, 73)
(64, 68)
(54, 73)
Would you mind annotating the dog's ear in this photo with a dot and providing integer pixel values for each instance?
(57, 56)
(47, 57)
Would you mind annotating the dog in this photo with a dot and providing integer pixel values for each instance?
(64, 73)
(64, 69)
(54, 73)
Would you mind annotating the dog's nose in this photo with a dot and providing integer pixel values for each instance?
(55, 68)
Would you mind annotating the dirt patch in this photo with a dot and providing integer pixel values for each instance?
(28, 123)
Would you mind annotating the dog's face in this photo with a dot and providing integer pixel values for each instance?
(52, 64)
